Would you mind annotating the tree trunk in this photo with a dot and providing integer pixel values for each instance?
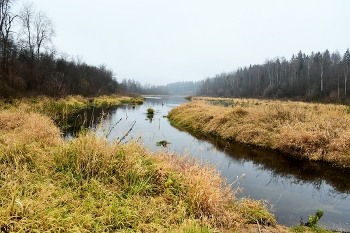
(338, 87)
(321, 66)
(346, 78)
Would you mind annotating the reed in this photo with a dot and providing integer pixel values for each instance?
(307, 130)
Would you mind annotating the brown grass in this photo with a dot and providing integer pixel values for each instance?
(23, 135)
(61, 108)
(312, 131)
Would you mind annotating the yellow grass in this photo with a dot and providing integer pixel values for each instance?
(43, 104)
(90, 185)
(24, 135)
(60, 110)
(309, 130)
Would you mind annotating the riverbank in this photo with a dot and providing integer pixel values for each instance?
(59, 110)
(319, 132)
(87, 184)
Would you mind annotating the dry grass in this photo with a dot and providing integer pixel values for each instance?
(312, 131)
(89, 185)
(63, 107)
(61, 110)
(25, 136)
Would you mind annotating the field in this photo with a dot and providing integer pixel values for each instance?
(319, 132)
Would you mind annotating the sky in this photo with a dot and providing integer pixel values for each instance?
(163, 41)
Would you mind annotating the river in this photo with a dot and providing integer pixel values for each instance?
(294, 189)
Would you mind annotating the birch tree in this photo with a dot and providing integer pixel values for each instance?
(346, 62)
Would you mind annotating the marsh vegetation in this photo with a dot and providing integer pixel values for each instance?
(89, 184)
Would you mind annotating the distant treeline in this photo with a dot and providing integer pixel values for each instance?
(314, 77)
(184, 88)
(176, 88)
(317, 76)
(29, 63)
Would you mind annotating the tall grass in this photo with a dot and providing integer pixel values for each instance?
(312, 131)
(60, 110)
(21, 137)
(90, 185)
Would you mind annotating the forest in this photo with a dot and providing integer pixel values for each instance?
(31, 65)
(321, 76)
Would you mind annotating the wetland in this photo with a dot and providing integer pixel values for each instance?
(294, 188)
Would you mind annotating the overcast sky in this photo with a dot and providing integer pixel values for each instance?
(164, 41)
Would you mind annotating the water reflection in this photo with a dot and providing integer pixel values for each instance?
(150, 117)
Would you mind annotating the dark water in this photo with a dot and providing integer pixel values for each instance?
(295, 189)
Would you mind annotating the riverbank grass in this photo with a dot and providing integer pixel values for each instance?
(313, 131)
(61, 109)
(90, 185)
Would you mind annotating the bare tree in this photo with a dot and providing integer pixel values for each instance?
(323, 60)
(44, 31)
(26, 16)
(37, 29)
(6, 22)
(321, 64)
(335, 79)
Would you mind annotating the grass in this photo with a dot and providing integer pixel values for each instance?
(319, 132)
(311, 224)
(90, 185)
(60, 109)
(150, 111)
(304, 229)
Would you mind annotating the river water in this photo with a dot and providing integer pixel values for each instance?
(295, 189)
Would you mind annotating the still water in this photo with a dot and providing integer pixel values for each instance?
(294, 189)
